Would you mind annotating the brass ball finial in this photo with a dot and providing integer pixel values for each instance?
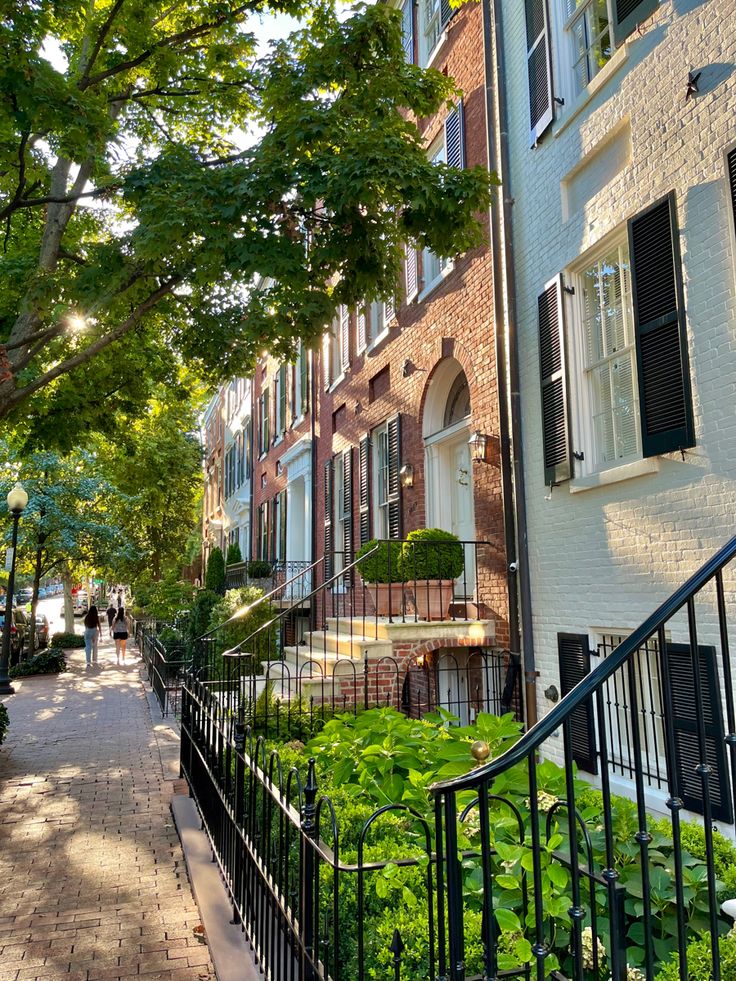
(480, 750)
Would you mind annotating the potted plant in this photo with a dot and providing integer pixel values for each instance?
(378, 563)
(432, 559)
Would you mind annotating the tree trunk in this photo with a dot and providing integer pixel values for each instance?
(66, 578)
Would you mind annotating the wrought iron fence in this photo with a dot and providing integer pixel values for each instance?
(165, 668)
(606, 891)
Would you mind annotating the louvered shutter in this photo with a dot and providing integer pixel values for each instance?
(407, 28)
(360, 330)
(455, 137)
(389, 311)
(553, 378)
(731, 175)
(347, 513)
(685, 713)
(326, 366)
(394, 481)
(304, 379)
(344, 337)
(446, 13)
(282, 399)
(665, 401)
(539, 68)
(628, 14)
(364, 488)
(328, 543)
(574, 657)
(248, 449)
(282, 526)
(412, 274)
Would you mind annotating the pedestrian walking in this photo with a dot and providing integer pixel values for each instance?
(92, 634)
(120, 633)
(111, 611)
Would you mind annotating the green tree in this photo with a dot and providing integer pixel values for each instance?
(233, 553)
(155, 463)
(215, 575)
(136, 117)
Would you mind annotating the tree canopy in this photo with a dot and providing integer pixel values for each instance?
(132, 216)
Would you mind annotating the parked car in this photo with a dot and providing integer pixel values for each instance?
(81, 603)
(25, 595)
(43, 592)
(18, 633)
(42, 631)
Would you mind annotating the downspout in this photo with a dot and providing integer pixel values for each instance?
(313, 425)
(507, 360)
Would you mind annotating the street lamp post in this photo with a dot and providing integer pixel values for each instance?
(17, 500)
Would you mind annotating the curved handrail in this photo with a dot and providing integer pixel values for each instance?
(532, 739)
(262, 599)
(237, 651)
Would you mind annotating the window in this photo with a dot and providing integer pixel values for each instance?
(333, 351)
(262, 530)
(379, 469)
(247, 449)
(339, 498)
(433, 267)
(434, 16)
(588, 32)
(279, 402)
(376, 321)
(264, 432)
(609, 358)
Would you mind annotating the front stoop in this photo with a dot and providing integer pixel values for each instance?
(230, 952)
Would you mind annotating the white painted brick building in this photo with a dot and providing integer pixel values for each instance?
(615, 540)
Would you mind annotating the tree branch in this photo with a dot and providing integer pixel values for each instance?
(98, 192)
(102, 34)
(19, 394)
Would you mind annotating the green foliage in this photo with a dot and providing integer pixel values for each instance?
(699, 960)
(320, 207)
(431, 553)
(215, 576)
(4, 723)
(263, 645)
(233, 554)
(162, 600)
(47, 662)
(65, 641)
(173, 642)
(201, 612)
(259, 569)
(384, 565)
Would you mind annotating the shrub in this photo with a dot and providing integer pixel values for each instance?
(431, 553)
(215, 577)
(162, 600)
(259, 569)
(699, 963)
(4, 723)
(63, 641)
(47, 662)
(234, 554)
(384, 565)
(201, 612)
(172, 641)
(263, 646)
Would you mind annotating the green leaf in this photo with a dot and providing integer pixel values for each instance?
(507, 920)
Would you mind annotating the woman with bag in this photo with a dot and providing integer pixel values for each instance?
(120, 633)
(92, 634)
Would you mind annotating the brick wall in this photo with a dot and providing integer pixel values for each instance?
(605, 557)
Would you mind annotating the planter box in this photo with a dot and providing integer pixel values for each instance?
(388, 598)
(433, 599)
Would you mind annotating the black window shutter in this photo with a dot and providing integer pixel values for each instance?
(665, 401)
(685, 713)
(347, 514)
(455, 137)
(364, 488)
(628, 14)
(553, 379)
(412, 273)
(731, 174)
(539, 68)
(329, 546)
(282, 526)
(282, 398)
(407, 27)
(394, 481)
(344, 338)
(304, 379)
(574, 655)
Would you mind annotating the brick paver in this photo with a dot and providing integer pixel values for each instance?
(92, 877)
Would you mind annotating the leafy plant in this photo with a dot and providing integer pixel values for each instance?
(699, 960)
(259, 569)
(66, 641)
(252, 616)
(431, 553)
(233, 554)
(172, 641)
(4, 723)
(164, 599)
(215, 576)
(383, 565)
(47, 662)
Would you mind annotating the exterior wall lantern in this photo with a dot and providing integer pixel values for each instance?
(406, 475)
(478, 444)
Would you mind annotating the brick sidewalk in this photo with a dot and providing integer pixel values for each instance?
(92, 877)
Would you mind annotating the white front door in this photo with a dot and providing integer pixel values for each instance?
(450, 495)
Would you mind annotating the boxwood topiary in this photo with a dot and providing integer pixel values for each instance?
(431, 553)
(383, 565)
(259, 569)
(66, 641)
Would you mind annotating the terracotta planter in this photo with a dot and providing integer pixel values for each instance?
(433, 598)
(387, 597)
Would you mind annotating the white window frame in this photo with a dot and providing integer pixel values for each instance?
(568, 58)
(583, 407)
(334, 353)
(427, 51)
(374, 339)
(437, 153)
(379, 480)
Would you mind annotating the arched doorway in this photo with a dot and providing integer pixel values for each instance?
(447, 463)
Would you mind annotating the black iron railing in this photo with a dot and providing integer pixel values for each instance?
(166, 668)
(605, 891)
